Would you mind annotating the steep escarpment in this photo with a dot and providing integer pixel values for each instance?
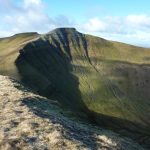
(104, 81)
(45, 64)
(29, 121)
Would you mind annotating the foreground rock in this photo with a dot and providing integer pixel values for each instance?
(29, 121)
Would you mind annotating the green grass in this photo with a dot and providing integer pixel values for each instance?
(9, 51)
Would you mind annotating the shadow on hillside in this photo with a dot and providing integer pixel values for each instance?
(47, 109)
(48, 70)
(124, 127)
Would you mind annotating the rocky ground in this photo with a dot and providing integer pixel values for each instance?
(32, 122)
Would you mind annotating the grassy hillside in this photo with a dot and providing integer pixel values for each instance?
(9, 48)
(108, 80)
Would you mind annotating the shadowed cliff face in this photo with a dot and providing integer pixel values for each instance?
(109, 81)
(47, 69)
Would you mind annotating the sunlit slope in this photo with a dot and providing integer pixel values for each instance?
(9, 48)
(85, 73)
(118, 82)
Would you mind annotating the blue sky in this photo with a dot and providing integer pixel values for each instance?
(78, 8)
(122, 20)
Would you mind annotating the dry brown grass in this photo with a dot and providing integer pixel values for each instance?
(25, 125)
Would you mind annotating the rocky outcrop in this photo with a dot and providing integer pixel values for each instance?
(29, 121)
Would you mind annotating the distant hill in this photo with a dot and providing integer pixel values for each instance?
(106, 80)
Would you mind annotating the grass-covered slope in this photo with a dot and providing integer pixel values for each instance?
(109, 80)
(9, 48)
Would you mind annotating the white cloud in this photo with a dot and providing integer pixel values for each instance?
(118, 25)
(134, 29)
(32, 2)
(138, 20)
(28, 16)
(95, 24)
